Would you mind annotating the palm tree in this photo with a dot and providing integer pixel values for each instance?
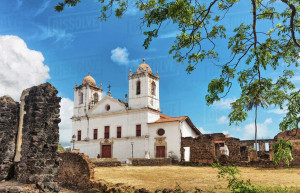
(256, 98)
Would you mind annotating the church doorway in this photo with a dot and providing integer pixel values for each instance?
(106, 151)
(160, 151)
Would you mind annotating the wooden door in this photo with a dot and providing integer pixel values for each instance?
(160, 151)
(106, 151)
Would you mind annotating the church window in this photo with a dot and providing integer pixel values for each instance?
(107, 107)
(160, 132)
(138, 130)
(153, 88)
(96, 98)
(138, 87)
(95, 133)
(79, 135)
(119, 132)
(81, 98)
(106, 132)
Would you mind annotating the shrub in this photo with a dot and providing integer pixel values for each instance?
(283, 150)
(234, 183)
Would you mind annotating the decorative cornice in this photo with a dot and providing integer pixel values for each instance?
(115, 113)
(142, 74)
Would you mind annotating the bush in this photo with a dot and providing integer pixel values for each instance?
(283, 150)
(234, 184)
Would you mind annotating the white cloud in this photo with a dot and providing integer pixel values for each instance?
(58, 35)
(202, 130)
(169, 35)
(224, 104)
(21, 67)
(262, 129)
(225, 132)
(278, 111)
(296, 79)
(120, 56)
(223, 120)
(43, 7)
(65, 126)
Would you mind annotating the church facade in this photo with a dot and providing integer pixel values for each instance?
(134, 128)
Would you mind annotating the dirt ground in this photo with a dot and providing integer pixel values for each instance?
(188, 178)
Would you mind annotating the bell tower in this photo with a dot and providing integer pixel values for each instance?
(86, 96)
(143, 88)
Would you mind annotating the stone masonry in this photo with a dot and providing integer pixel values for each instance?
(39, 159)
(9, 111)
(205, 149)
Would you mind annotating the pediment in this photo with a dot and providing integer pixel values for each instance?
(101, 107)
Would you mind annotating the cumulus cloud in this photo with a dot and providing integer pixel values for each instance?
(65, 126)
(223, 120)
(224, 104)
(262, 129)
(120, 56)
(21, 67)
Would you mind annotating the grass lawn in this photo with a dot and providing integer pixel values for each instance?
(205, 178)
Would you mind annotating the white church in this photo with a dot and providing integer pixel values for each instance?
(135, 128)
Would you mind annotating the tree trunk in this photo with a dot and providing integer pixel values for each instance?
(256, 129)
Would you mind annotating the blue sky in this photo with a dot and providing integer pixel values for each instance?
(74, 42)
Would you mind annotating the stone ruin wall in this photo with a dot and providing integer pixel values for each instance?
(201, 149)
(9, 116)
(205, 149)
(76, 170)
(294, 137)
(29, 147)
(39, 163)
(233, 145)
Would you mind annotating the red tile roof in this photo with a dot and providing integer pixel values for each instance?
(165, 118)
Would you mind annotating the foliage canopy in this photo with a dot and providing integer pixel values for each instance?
(255, 53)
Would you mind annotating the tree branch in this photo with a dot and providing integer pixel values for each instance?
(293, 8)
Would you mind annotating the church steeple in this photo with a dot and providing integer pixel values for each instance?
(143, 88)
(86, 95)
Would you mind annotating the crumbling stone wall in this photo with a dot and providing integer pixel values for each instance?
(107, 163)
(262, 154)
(201, 149)
(151, 162)
(75, 170)
(9, 111)
(39, 160)
(294, 137)
(233, 145)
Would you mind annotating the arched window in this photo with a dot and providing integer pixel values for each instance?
(79, 135)
(153, 88)
(138, 87)
(80, 98)
(96, 98)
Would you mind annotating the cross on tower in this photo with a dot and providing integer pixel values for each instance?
(109, 88)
